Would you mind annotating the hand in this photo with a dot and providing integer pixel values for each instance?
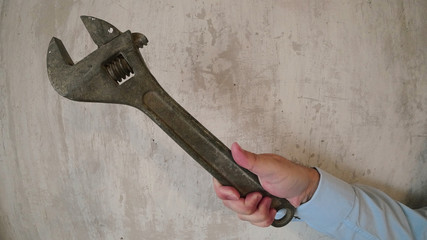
(277, 175)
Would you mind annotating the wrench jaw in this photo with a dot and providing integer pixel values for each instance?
(58, 59)
(100, 31)
(80, 81)
(98, 77)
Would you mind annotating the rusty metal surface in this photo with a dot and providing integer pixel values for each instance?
(116, 73)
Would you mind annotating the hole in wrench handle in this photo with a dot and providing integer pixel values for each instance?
(206, 149)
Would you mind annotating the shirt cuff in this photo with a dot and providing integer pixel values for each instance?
(330, 204)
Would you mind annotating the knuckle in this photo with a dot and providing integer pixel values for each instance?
(249, 210)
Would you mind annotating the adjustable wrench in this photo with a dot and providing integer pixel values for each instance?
(117, 73)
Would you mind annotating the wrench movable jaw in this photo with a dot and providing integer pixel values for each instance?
(100, 31)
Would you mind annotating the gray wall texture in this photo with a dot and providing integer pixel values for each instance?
(337, 84)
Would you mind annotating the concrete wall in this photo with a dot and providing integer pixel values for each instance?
(336, 84)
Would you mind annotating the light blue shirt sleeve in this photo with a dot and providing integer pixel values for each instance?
(346, 211)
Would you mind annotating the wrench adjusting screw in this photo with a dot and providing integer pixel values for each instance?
(119, 69)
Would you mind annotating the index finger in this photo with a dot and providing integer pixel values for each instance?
(225, 192)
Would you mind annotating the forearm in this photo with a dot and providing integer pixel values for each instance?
(351, 212)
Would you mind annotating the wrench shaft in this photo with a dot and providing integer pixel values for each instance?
(205, 148)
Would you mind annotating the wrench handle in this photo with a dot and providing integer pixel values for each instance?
(206, 149)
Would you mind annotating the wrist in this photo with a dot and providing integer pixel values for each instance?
(314, 178)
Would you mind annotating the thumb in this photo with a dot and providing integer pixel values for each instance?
(244, 158)
(251, 161)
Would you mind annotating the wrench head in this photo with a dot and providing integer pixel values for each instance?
(97, 77)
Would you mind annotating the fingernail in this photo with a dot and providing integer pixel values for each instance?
(258, 197)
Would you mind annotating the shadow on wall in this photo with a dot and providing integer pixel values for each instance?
(417, 195)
